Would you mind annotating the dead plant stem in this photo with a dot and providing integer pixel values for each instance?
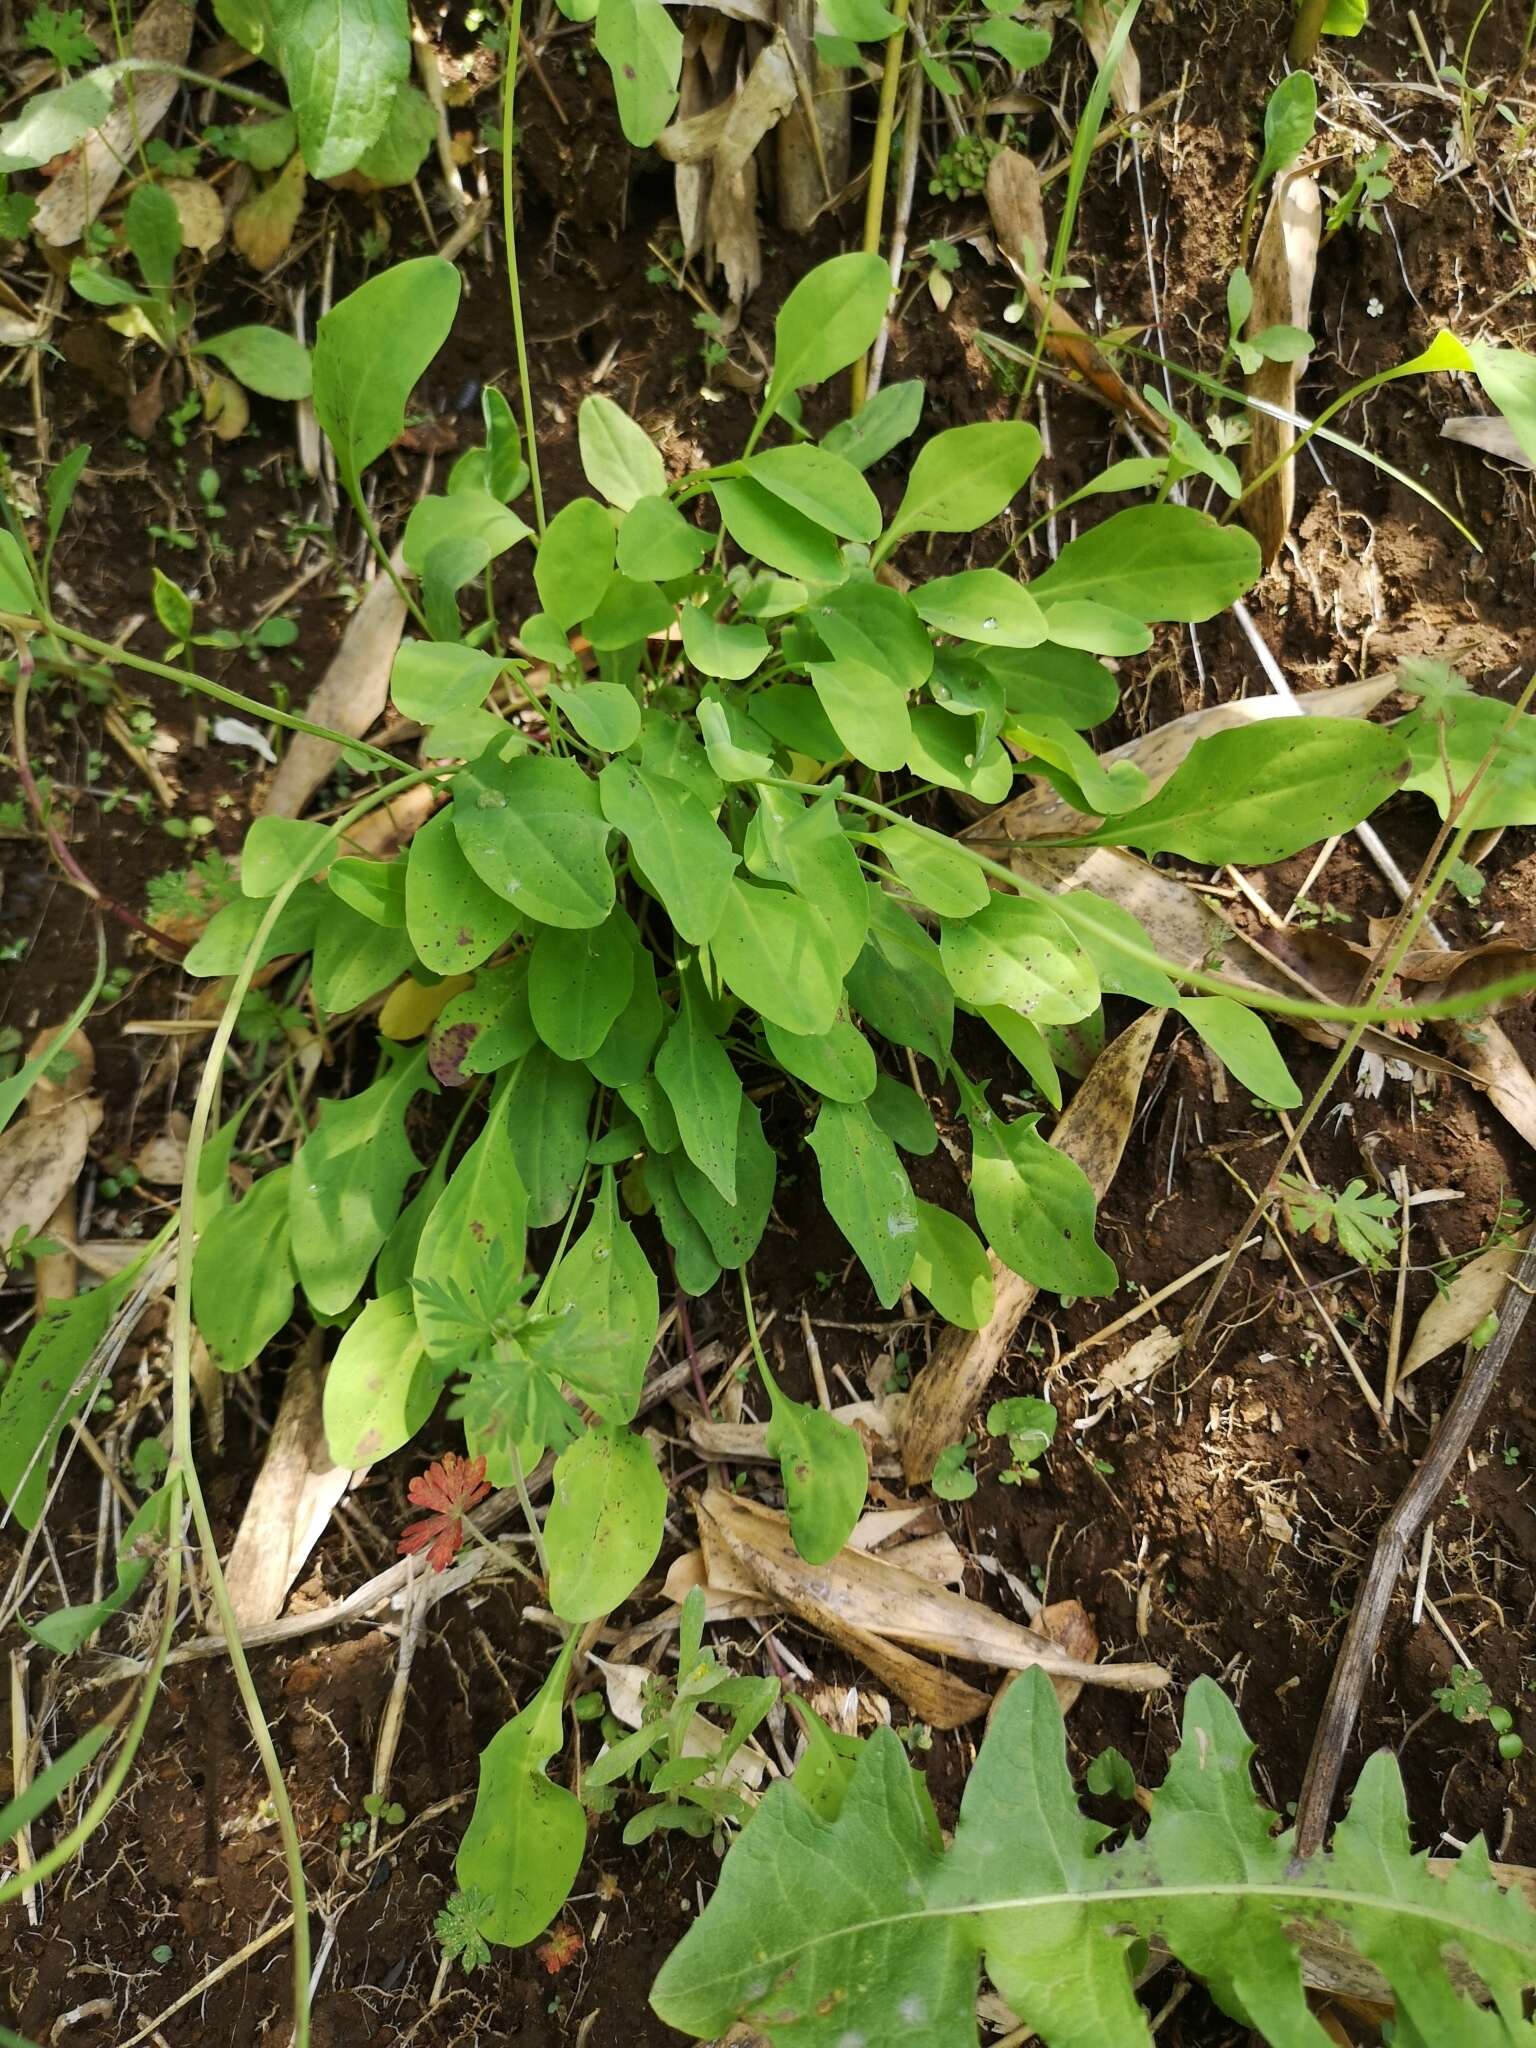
(1340, 1709)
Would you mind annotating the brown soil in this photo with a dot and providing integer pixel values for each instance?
(1219, 1519)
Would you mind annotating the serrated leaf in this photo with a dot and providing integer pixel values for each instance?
(860, 1927)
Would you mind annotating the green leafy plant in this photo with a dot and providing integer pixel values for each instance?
(1467, 1697)
(458, 1931)
(1368, 186)
(698, 929)
(865, 1928)
(679, 1757)
(1029, 1424)
(1365, 1227)
(261, 359)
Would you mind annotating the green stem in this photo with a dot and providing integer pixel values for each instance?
(242, 93)
(385, 560)
(1147, 955)
(509, 232)
(879, 172)
(525, 1501)
(1307, 31)
(188, 679)
(756, 1341)
(183, 1469)
(1440, 863)
(1083, 145)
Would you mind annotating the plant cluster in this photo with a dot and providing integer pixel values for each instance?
(679, 925)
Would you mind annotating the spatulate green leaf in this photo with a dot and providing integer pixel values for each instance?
(830, 318)
(526, 1835)
(1259, 792)
(604, 1526)
(868, 1194)
(371, 350)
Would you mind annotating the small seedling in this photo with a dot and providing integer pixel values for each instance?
(953, 1478)
(1030, 1427)
(457, 1928)
(1364, 1226)
(681, 1759)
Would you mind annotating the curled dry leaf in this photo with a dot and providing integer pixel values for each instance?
(1284, 268)
(1092, 1130)
(885, 1614)
(1068, 1625)
(350, 697)
(725, 139)
(80, 191)
(263, 226)
(1138, 1364)
(40, 1160)
(1098, 21)
(1471, 1298)
(1018, 221)
(162, 1159)
(291, 1501)
(226, 405)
